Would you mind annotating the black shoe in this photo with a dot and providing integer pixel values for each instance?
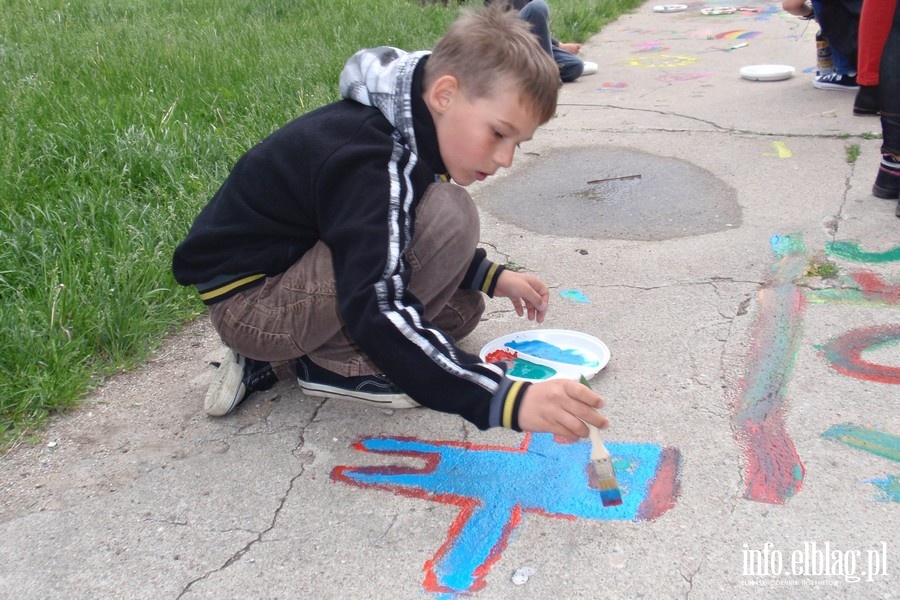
(833, 81)
(376, 390)
(866, 102)
(887, 182)
(235, 379)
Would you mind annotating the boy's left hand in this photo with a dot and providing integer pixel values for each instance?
(527, 293)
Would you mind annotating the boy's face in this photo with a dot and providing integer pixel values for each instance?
(477, 138)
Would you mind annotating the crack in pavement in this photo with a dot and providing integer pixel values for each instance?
(237, 556)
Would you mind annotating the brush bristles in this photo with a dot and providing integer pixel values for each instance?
(604, 478)
(610, 496)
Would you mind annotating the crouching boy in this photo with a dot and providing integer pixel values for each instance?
(337, 249)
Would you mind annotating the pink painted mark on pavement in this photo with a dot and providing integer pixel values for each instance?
(773, 472)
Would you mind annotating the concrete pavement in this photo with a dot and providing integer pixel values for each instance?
(675, 210)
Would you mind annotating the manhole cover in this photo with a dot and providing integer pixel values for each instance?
(614, 193)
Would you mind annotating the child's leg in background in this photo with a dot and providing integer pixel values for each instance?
(570, 66)
(537, 13)
(844, 47)
(874, 26)
(887, 183)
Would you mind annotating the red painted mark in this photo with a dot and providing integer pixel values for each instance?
(875, 288)
(665, 487)
(845, 353)
(774, 471)
(500, 355)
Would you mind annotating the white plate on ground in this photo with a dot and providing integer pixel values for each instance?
(569, 354)
(718, 10)
(669, 8)
(767, 72)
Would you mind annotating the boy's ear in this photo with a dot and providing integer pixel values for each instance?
(441, 92)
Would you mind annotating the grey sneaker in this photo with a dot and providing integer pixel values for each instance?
(235, 379)
(375, 390)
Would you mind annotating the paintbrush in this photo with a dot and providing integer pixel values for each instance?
(605, 479)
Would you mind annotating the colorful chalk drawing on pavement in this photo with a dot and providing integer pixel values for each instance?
(679, 77)
(496, 487)
(663, 61)
(873, 441)
(845, 353)
(852, 251)
(738, 34)
(773, 471)
(871, 288)
(653, 46)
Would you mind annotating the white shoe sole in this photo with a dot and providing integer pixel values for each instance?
(381, 400)
(589, 68)
(835, 86)
(225, 388)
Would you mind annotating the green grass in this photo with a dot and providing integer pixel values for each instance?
(820, 266)
(852, 153)
(118, 120)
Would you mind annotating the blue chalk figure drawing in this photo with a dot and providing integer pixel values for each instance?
(495, 486)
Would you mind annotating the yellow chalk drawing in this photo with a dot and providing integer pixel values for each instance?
(781, 150)
(661, 61)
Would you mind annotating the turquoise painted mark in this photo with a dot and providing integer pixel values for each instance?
(546, 351)
(868, 439)
(889, 488)
(529, 370)
(852, 251)
(574, 296)
(846, 296)
(783, 245)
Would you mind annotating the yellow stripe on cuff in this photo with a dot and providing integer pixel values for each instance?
(486, 285)
(227, 288)
(510, 403)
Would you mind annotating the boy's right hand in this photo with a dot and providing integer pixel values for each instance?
(561, 407)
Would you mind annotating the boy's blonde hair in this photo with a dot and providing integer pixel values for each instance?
(491, 46)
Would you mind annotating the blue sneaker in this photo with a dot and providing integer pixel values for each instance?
(234, 380)
(375, 390)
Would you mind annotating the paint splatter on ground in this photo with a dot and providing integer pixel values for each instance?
(574, 296)
(781, 150)
(889, 488)
(852, 251)
(873, 290)
(496, 487)
(868, 439)
(873, 441)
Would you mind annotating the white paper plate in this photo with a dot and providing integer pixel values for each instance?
(767, 72)
(718, 10)
(569, 354)
(668, 8)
